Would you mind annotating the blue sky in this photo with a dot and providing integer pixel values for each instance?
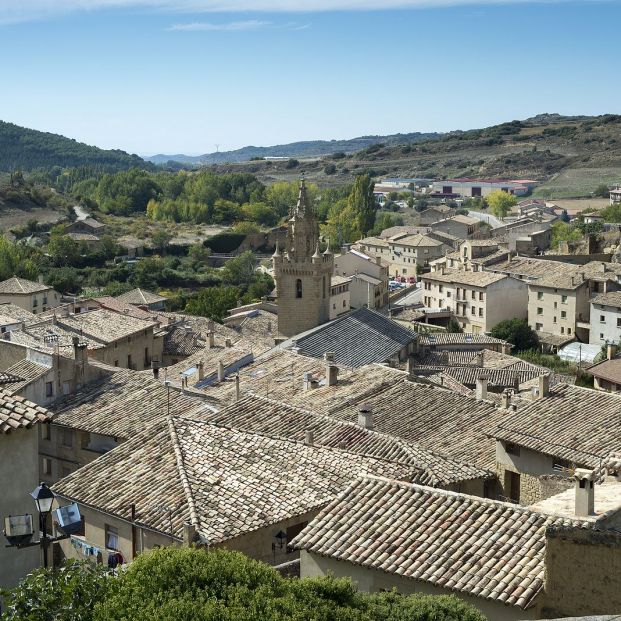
(151, 76)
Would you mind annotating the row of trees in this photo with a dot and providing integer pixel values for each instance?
(189, 584)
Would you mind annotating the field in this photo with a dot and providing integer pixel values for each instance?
(11, 217)
(578, 182)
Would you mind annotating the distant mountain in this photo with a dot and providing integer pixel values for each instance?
(28, 149)
(307, 148)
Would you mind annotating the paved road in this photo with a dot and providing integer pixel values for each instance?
(493, 221)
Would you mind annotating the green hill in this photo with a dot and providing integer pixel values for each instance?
(29, 149)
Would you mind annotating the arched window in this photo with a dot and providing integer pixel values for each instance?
(298, 288)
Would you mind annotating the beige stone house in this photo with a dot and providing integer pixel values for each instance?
(411, 254)
(541, 440)
(143, 298)
(508, 561)
(479, 300)
(257, 487)
(35, 297)
(19, 423)
(459, 225)
(369, 278)
(340, 295)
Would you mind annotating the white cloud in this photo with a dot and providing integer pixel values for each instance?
(24, 10)
(252, 24)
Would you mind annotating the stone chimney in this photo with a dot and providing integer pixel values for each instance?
(211, 342)
(477, 361)
(332, 371)
(308, 381)
(220, 371)
(409, 366)
(444, 357)
(481, 390)
(516, 382)
(40, 279)
(365, 416)
(585, 492)
(201, 371)
(189, 534)
(544, 385)
(505, 399)
(155, 368)
(505, 348)
(210, 325)
(227, 343)
(611, 350)
(237, 390)
(309, 437)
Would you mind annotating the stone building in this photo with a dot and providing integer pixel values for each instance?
(302, 273)
(35, 297)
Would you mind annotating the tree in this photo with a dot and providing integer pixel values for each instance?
(18, 260)
(283, 195)
(213, 302)
(453, 326)
(170, 584)
(240, 270)
(161, 238)
(602, 190)
(64, 251)
(500, 203)
(564, 216)
(342, 225)
(517, 332)
(362, 202)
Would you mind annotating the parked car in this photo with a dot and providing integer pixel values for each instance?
(412, 279)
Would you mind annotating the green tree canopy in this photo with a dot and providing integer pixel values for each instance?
(213, 302)
(518, 333)
(172, 584)
(362, 202)
(500, 202)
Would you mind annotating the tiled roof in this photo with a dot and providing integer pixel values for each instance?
(9, 378)
(91, 222)
(20, 286)
(17, 412)
(461, 219)
(82, 236)
(358, 338)
(460, 277)
(572, 423)
(104, 325)
(339, 280)
(27, 371)
(257, 331)
(485, 548)
(437, 419)
(141, 297)
(17, 312)
(468, 375)
(525, 267)
(415, 241)
(226, 482)
(123, 404)
(366, 278)
(609, 370)
(373, 241)
(114, 304)
(179, 341)
(280, 374)
(49, 337)
(274, 418)
(612, 298)
(457, 338)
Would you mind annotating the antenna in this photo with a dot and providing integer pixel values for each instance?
(217, 145)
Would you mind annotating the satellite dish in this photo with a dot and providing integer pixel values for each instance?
(69, 519)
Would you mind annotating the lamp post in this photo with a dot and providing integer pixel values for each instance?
(44, 497)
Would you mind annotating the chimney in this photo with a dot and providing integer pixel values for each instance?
(516, 382)
(227, 343)
(585, 492)
(477, 361)
(210, 326)
(505, 348)
(76, 348)
(481, 390)
(40, 279)
(332, 371)
(201, 371)
(309, 437)
(189, 534)
(544, 385)
(155, 368)
(220, 371)
(444, 357)
(505, 399)
(210, 340)
(409, 366)
(308, 381)
(237, 392)
(365, 416)
(611, 350)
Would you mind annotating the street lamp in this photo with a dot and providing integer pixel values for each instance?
(44, 497)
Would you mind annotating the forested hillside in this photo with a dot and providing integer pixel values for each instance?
(28, 149)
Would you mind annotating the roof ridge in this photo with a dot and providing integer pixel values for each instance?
(185, 481)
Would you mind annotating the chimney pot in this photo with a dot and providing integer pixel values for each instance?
(505, 399)
(585, 492)
(365, 416)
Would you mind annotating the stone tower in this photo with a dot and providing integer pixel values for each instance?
(303, 275)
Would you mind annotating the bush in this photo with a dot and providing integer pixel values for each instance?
(170, 584)
(292, 163)
(329, 169)
(517, 332)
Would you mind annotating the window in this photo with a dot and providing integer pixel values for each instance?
(46, 466)
(563, 314)
(129, 361)
(298, 288)
(618, 322)
(555, 304)
(568, 330)
(602, 319)
(448, 294)
(343, 303)
(601, 336)
(49, 389)
(112, 537)
(560, 464)
(480, 296)
(539, 310)
(323, 287)
(333, 306)
(562, 330)
(116, 363)
(563, 299)
(540, 295)
(473, 295)
(473, 310)
(440, 288)
(480, 312)
(554, 318)
(67, 438)
(46, 431)
(539, 327)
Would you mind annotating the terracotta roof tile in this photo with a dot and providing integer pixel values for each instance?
(17, 412)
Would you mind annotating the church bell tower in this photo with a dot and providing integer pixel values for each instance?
(303, 274)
